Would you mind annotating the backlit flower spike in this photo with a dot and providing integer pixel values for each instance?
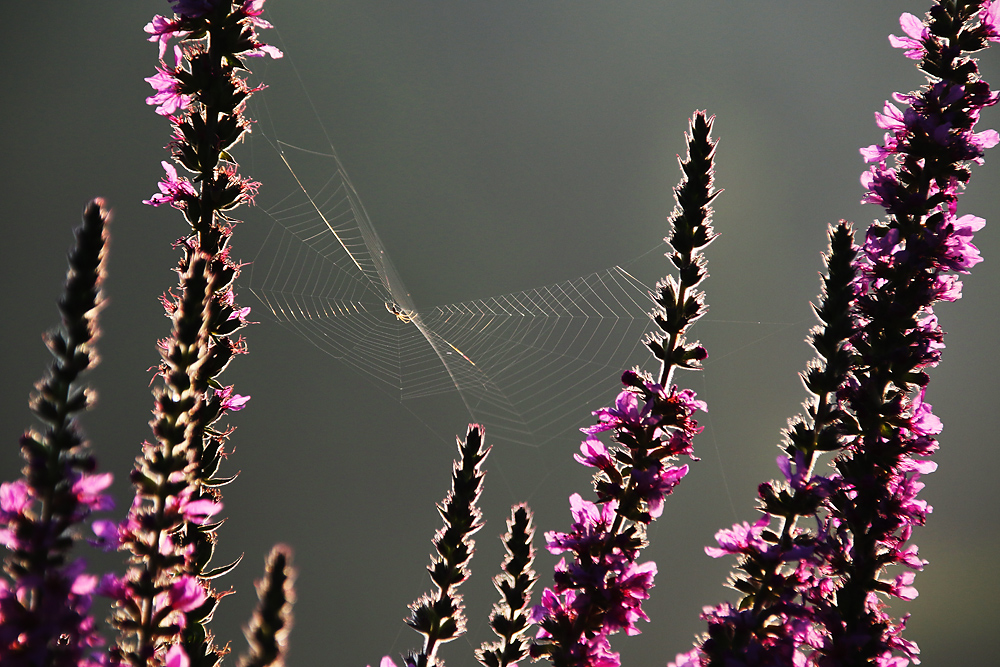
(820, 600)
(45, 596)
(678, 304)
(267, 632)
(599, 585)
(171, 529)
(439, 615)
(509, 618)
(772, 621)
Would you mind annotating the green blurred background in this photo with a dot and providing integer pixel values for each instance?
(497, 147)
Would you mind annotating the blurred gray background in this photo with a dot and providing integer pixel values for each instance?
(497, 147)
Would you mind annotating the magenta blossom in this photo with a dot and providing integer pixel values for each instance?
(625, 414)
(654, 483)
(590, 525)
(741, 539)
(916, 34)
(989, 16)
(231, 401)
(170, 96)
(176, 657)
(178, 192)
(594, 454)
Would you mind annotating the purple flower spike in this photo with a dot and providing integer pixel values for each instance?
(817, 597)
(170, 530)
(599, 585)
(45, 596)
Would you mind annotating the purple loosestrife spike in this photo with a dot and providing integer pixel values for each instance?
(873, 498)
(600, 585)
(439, 616)
(45, 597)
(165, 599)
(816, 597)
(771, 621)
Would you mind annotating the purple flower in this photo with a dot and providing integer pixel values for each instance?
(883, 188)
(690, 659)
(876, 153)
(88, 488)
(741, 539)
(185, 594)
(170, 93)
(923, 422)
(625, 597)
(590, 525)
(176, 657)
(231, 401)
(958, 252)
(594, 454)
(562, 612)
(162, 30)
(916, 33)
(252, 10)
(902, 586)
(626, 414)
(654, 483)
(195, 511)
(989, 16)
(178, 192)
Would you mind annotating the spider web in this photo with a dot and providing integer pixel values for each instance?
(526, 364)
(530, 365)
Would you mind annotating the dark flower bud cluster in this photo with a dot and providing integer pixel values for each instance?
(165, 599)
(439, 616)
(678, 305)
(509, 618)
(268, 630)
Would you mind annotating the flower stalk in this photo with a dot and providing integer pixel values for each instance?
(819, 596)
(509, 618)
(599, 591)
(439, 616)
(166, 599)
(46, 597)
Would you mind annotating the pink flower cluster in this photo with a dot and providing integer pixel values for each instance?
(598, 591)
